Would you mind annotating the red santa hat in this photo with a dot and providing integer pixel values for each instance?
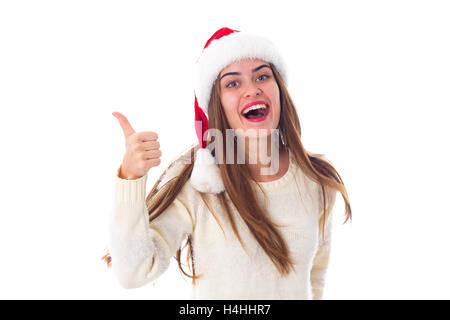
(225, 47)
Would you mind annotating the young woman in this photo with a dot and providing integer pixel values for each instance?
(251, 232)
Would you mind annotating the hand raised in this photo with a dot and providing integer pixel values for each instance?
(142, 150)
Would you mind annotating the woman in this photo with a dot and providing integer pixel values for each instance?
(255, 229)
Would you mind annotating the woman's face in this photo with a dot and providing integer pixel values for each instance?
(250, 84)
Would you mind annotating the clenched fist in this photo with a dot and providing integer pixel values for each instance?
(142, 150)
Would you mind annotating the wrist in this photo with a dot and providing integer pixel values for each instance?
(123, 174)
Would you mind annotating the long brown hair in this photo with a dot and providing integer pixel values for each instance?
(242, 195)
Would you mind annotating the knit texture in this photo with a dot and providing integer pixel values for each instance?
(141, 251)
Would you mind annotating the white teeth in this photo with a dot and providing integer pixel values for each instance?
(256, 106)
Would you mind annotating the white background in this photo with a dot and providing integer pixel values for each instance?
(370, 80)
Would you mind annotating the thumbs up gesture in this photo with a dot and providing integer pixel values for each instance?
(142, 150)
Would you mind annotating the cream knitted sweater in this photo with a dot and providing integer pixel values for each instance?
(141, 251)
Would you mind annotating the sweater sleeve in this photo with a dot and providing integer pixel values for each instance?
(141, 250)
(322, 256)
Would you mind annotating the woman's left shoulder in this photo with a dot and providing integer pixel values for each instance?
(322, 161)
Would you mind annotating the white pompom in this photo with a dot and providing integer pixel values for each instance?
(205, 176)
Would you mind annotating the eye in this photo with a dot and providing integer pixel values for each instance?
(228, 85)
(264, 75)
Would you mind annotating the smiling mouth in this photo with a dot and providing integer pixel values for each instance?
(256, 113)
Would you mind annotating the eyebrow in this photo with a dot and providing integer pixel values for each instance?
(238, 73)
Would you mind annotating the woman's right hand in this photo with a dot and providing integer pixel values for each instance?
(142, 150)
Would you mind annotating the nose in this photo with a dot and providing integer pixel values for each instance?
(252, 90)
